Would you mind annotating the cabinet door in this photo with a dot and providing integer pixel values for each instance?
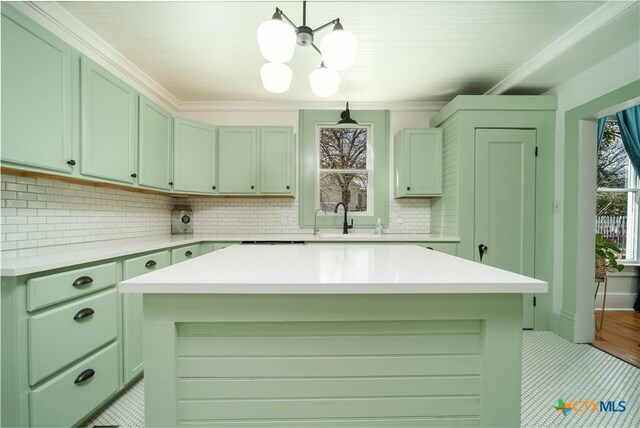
(132, 320)
(237, 152)
(37, 83)
(108, 138)
(423, 162)
(155, 157)
(194, 157)
(276, 161)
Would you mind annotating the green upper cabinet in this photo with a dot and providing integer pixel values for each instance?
(237, 160)
(418, 163)
(277, 167)
(155, 155)
(109, 125)
(37, 92)
(194, 150)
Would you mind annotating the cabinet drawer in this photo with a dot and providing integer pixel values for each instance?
(443, 247)
(50, 289)
(145, 264)
(63, 402)
(185, 253)
(62, 335)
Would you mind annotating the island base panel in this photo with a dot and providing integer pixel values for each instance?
(325, 360)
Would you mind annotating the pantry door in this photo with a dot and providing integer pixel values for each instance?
(505, 196)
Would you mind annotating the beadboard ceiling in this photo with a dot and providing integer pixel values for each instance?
(409, 51)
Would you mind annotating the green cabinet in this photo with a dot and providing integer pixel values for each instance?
(132, 312)
(277, 167)
(155, 146)
(37, 92)
(237, 160)
(418, 163)
(194, 157)
(108, 125)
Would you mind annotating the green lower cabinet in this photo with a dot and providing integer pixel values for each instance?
(185, 253)
(443, 247)
(132, 312)
(37, 91)
(65, 400)
(209, 247)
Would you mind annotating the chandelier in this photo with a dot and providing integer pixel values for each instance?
(277, 39)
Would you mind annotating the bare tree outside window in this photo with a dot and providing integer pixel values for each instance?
(344, 176)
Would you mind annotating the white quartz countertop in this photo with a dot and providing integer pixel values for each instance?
(330, 269)
(32, 260)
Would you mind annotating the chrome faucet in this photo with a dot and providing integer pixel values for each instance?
(345, 226)
(316, 231)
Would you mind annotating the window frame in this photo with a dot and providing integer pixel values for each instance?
(309, 165)
(369, 170)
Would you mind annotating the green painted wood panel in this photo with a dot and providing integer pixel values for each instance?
(108, 112)
(46, 290)
(57, 339)
(277, 167)
(132, 325)
(185, 253)
(37, 91)
(464, 421)
(63, 403)
(505, 195)
(237, 155)
(418, 162)
(194, 167)
(155, 148)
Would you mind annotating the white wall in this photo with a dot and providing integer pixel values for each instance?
(619, 69)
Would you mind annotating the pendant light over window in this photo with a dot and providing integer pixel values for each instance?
(277, 39)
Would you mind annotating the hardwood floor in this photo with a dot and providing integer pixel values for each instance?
(620, 335)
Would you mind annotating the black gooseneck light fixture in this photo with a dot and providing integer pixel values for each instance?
(345, 118)
(277, 39)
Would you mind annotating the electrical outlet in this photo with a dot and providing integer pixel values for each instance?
(400, 220)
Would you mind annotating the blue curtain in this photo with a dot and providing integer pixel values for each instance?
(629, 121)
(601, 123)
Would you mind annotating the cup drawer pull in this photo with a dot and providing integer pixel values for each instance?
(83, 313)
(83, 280)
(150, 264)
(188, 253)
(84, 376)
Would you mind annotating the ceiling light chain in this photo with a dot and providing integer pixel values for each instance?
(277, 39)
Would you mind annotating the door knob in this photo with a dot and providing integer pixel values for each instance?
(482, 249)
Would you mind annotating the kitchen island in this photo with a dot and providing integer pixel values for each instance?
(332, 335)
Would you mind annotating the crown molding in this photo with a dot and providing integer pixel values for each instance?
(56, 19)
(584, 28)
(202, 106)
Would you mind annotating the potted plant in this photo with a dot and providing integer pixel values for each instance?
(606, 254)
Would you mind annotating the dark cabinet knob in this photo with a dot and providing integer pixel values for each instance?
(171, 183)
(213, 187)
(408, 188)
(83, 313)
(83, 280)
(134, 175)
(482, 249)
(84, 376)
(71, 162)
(288, 187)
(188, 253)
(150, 264)
(253, 187)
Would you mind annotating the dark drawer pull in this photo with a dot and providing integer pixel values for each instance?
(84, 376)
(83, 280)
(83, 313)
(430, 248)
(150, 264)
(188, 254)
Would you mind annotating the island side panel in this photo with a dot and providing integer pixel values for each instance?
(322, 360)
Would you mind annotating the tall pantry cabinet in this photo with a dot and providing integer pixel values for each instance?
(498, 166)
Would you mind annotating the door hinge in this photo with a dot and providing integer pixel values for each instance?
(535, 301)
(536, 151)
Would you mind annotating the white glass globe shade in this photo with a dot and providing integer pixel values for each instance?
(339, 49)
(324, 82)
(276, 77)
(277, 40)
